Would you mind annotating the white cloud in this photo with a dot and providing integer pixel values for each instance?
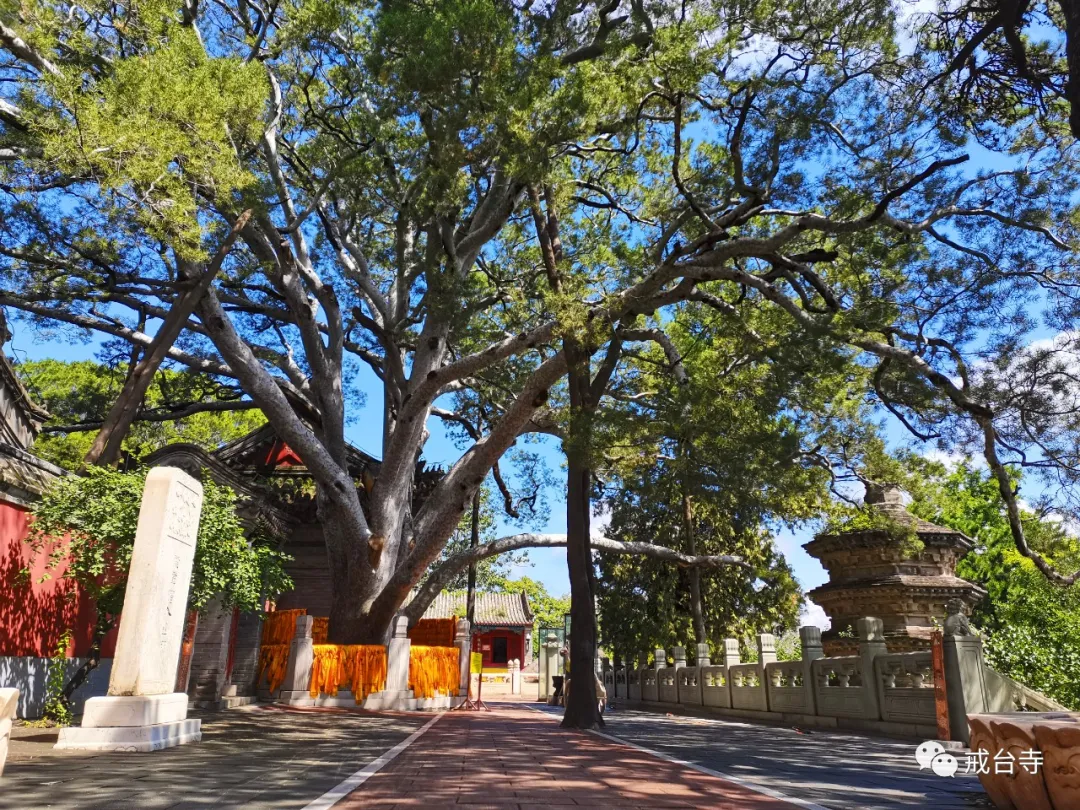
(814, 615)
(952, 460)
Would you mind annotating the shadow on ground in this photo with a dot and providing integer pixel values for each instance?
(256, 757)
(835, 770)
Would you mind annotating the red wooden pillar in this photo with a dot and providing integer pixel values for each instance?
(187, 648)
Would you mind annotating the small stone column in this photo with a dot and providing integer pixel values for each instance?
(703, 657)
(965, 681)
(659, 658)
(9, 701)
(871, 645)
(766, 647)
(142, 711)
(550, 650)
(397, 662)
(515, 676)
(679, 654)
(463, 642)
(812, 650)
(296, 688)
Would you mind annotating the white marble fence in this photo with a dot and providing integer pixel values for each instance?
(873, 691)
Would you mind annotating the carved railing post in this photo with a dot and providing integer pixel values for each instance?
(810, 637)
(871, 645)
(766, 646)
(703, 656)
(965, 680)
(295, 689)
(732, 656)
(659, 658)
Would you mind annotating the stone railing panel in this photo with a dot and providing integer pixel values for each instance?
(747, 688)
(668, 687)
(786, 687)
(649, 684)
(838, 687)
(689, 680)
(905, 683)
(633, 684)
(714, 687)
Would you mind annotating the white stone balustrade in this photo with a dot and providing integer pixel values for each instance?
(838, 686)
(905, 683)
(785, 681)
(714, 686)
(873, 690)
(689, 682)
(649, 684)
(747, 688)
(667, 686)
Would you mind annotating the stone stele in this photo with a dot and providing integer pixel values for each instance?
(142, 711)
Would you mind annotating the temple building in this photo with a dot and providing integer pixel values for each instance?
(502, 629)
(875, 572)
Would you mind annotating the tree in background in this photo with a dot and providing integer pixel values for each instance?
(79, 394)
(1030, 626)
(719, 430)
(87, 523)
(491, 572)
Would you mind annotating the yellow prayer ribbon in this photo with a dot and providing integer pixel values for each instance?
(433, 669)
(273, 659)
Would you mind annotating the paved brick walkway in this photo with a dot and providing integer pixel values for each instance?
(518, 758)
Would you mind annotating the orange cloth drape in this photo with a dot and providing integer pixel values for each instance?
(273, 658)
(320, 629)
(279, 627)
(433, 632)
(433, 669)
(361, 667)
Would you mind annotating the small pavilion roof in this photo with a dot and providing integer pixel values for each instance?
(492, 609)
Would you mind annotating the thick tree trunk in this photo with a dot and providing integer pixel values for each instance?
(696, 610)
(582, 710)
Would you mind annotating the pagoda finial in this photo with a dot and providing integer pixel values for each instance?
(883, 494)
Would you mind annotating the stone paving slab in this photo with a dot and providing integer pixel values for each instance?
(837, 770)
(254, 758)
(515, 758)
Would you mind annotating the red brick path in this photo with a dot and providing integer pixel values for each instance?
(517, 758)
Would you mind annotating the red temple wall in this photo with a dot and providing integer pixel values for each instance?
(34, 613)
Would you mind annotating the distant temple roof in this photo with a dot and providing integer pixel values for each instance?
(271, 478)
(492, 609)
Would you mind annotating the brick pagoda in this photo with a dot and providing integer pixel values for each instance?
(872, 573)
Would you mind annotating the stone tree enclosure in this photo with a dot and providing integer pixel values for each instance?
(143, 711)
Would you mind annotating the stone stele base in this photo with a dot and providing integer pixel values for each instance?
(139, 723)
